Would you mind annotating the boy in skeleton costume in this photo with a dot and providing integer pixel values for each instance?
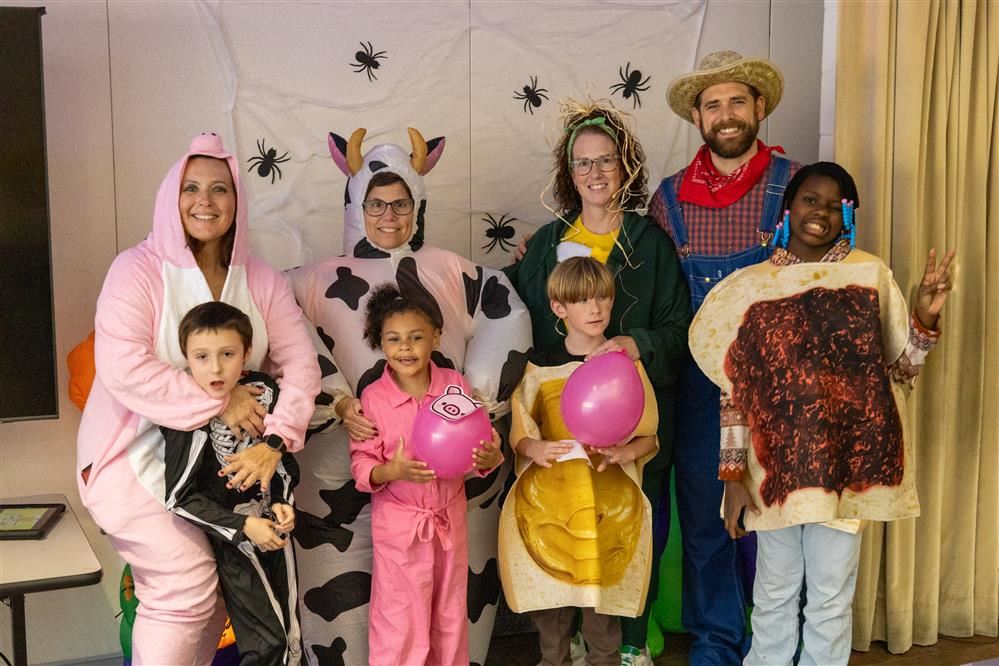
(486, 337)
(247, 525)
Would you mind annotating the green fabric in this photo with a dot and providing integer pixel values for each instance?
(599, 122)
(652, 305)
(129, 605)
(666, 607)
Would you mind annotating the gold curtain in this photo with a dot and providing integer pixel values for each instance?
(917, 124)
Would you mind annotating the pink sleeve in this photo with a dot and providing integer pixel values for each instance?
(125, 355)
(292, 358)
(366, 455)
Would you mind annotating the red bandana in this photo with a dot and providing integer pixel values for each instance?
(704, 186)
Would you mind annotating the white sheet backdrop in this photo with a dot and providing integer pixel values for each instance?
(449, 68)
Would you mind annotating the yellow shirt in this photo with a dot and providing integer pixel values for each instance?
(600, 244)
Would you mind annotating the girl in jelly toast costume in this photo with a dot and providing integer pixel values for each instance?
(486, 336)
(140, 382)
(814, 352)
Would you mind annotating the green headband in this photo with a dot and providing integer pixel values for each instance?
(599, 122)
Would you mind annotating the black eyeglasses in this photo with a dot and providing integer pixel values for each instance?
(583, 165)
(377, 207)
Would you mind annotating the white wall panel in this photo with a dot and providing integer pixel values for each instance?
(40, 456)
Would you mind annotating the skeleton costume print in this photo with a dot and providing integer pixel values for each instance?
(486, 337)
(260, 588)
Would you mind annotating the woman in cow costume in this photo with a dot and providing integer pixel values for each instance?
(486, 336)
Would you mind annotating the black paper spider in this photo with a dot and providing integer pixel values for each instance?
(267, 162)
(532, 95)
(631, 84)
(500, 232)
(367, 60)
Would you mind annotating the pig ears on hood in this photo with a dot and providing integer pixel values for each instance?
(346, 154)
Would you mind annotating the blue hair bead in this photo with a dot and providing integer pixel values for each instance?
(785, 229)
(849, 225)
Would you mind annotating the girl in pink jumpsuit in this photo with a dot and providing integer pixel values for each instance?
(420, 564)
(197, 252)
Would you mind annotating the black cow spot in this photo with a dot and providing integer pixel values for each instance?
(511, 372)
(345, 592)
(370, 376)
(332, 655)
(495, 299)
(311, 532)
(489, 502)
(441, 360)
(365, 250)
(483, 589)
(326, 366)
(345, 503)
(375, 165)
(348, 287)
(324, 400)
(407, 279)
(327, 340)
(473, 288)
(416, 242)
(479, 485)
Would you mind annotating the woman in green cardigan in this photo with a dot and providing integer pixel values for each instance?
(599, 181)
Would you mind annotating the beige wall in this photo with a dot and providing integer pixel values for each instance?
(40, 456)
(127, 84)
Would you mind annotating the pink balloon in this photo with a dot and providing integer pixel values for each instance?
(446, 430)
(603, 400)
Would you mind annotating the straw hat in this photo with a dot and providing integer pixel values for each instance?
(722, 67)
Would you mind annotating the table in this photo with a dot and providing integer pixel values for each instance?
(61, 560)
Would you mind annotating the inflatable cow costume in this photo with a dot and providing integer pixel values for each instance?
(486, 336)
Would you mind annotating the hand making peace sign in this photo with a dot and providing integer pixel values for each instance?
(933, 289)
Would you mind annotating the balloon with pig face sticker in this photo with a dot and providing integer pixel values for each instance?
(446, 431)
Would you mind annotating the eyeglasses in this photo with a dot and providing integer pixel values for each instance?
(605, 163)
(377, 207)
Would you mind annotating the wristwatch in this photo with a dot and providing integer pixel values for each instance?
(275, 443)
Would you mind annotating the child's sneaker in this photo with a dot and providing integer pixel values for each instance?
(632, 656)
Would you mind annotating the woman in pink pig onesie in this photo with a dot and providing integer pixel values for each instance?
(486, 335)
(197, 251)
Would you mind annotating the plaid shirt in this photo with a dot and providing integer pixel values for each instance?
(717, 231)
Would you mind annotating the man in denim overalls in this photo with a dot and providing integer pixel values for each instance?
(721, 211)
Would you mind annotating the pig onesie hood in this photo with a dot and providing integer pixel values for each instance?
(487, 332)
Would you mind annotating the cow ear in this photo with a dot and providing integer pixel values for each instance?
(434, 149)
(338, 151)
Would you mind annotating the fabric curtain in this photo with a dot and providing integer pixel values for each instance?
(917, 124)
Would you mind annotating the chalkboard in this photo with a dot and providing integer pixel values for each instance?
(28, 381)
